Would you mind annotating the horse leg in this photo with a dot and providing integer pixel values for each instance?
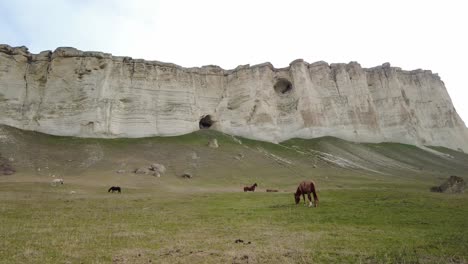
(314, 192)
(310, 199)
(303, 198)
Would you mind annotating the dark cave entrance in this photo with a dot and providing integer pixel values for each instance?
(205, 122)
(283, 86)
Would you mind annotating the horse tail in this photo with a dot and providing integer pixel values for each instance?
(314, 192)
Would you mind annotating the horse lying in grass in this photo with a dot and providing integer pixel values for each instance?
(56, 181)
(114, 189)
(251, 188)
(306, 187)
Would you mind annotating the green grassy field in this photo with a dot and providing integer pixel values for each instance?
(375, 204)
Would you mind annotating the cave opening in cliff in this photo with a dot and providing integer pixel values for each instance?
(205, 122)
(283, 86)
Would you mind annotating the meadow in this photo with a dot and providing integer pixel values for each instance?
(367, 214)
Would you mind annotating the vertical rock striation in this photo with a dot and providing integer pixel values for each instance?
(91, 94)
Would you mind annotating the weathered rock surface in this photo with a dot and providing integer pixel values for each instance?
(157, 169)
(453, 184)
(141, 171)
(92, 94)
(213, 143)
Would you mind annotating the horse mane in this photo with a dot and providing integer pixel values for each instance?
(298, 191)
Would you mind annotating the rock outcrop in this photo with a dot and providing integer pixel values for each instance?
(92, 94)
(453, 184)
(5, 167)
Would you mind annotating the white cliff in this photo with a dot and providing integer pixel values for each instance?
(91, 94)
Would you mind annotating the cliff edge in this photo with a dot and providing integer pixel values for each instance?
(93, 94)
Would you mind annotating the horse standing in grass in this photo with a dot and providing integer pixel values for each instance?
(306, 187)
(114, 189)
(251, 188)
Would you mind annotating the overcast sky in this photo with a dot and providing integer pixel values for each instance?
(409, 34)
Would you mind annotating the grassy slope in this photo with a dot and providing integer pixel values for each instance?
(379, 211)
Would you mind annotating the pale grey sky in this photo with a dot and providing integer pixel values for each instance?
(409, 34)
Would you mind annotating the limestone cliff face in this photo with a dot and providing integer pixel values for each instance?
(91, 94)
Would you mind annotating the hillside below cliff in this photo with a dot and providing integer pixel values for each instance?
(92, 94)
(330, 161)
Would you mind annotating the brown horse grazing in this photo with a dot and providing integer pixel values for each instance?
(114, 189)
(251, 188)
(306, 187)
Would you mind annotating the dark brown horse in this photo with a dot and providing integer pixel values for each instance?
(306, 187)
(114, 189)
(251, 188)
